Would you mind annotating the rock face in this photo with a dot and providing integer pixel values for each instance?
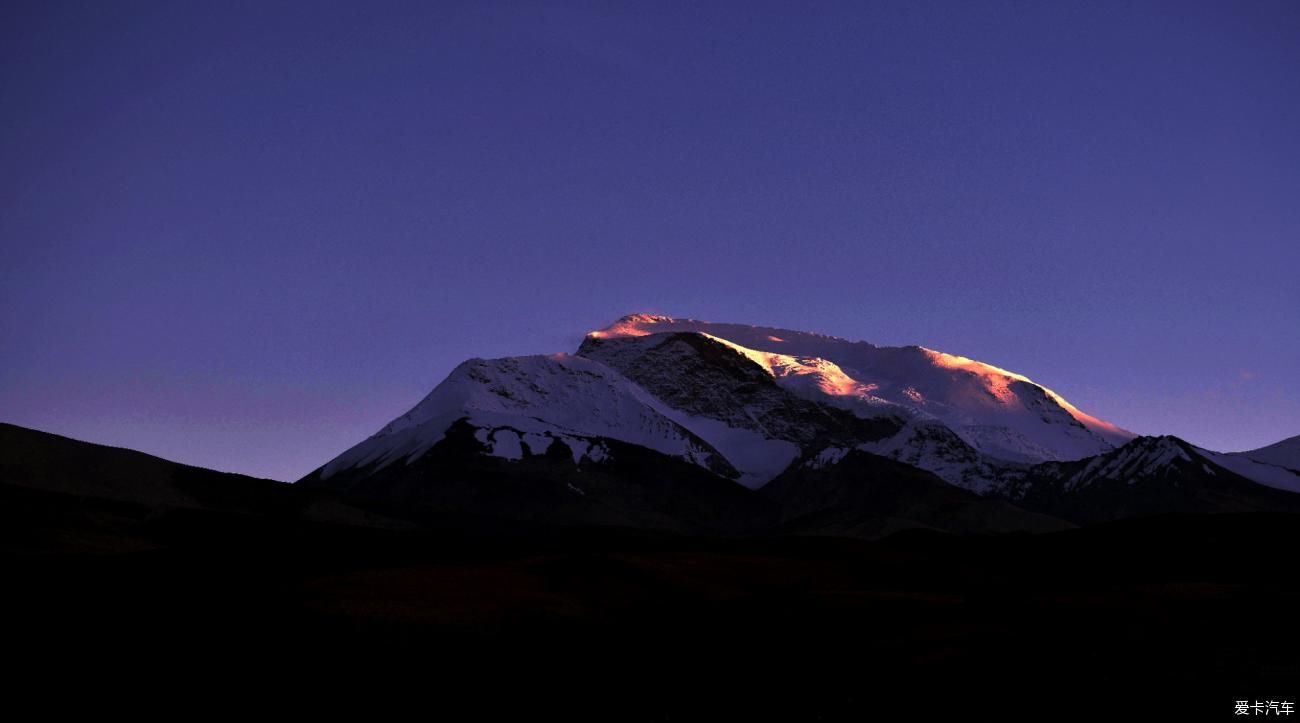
(710, 379)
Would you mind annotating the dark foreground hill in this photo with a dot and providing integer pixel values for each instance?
(244, 595)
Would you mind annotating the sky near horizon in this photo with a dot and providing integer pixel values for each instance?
(246, 235)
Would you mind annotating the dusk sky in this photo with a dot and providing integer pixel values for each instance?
(246, 235)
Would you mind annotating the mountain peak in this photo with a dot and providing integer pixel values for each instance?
(1139, 459)
(643, 324)
(544, 398)
(631, 325)
(1158, 444)
(999, 412)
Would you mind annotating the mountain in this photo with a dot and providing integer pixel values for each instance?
(1150, 475)
(557, 439)
(519, 406)
(65, 495)
(35, 460)
(665, 423)
(654, 490)
(742, 401)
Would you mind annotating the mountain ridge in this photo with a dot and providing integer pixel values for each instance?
(962, 392)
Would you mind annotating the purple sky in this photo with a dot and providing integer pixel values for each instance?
(246, 235)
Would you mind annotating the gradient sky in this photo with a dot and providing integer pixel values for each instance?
(245, 235)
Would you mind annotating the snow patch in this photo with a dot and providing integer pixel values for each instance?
(931, 446)
(757, 458)
(826, 458)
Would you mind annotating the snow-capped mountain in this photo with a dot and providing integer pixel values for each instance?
(558, 439)
(522, 405)
(744, 402)
(652, 404)
(998, 412)
(1146, 476)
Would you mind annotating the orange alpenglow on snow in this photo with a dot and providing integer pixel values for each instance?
(1000, 412)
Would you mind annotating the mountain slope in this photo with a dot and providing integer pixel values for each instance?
(51, 463)
(1264, 473)
(708, 379)
(1281, 454)
(1150, 475)
(628, 485)
(996, 411)
(865, 495)
(519, 405)
(63, 495)
(930, 445)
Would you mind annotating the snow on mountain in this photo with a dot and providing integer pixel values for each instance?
(998, 412)
(1141, 461)
(782, 396)
(532, 400)
(520, 404)
(713, 377)
(754, 404)
(1282, 454)
(1132, 462)
(1147, 476)
(714, 382)
(818, 380)
(755, 457)
(931, 446)
(1256, 470)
